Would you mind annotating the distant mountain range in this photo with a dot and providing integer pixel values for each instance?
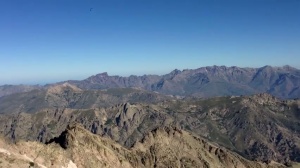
(11, 89)
(259, 127)
(282, 82)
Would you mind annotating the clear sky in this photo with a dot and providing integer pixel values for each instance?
(44, 41)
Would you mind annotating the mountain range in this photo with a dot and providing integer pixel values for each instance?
(282, 82)
(258, 127)
(207, 117)
(162, 147)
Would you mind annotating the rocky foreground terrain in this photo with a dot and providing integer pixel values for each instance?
(224, 106)
(258, 127)
(162, 147)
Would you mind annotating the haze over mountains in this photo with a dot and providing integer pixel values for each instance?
(212, 81)
(140, 84)
(282, 82)
(189, 118)
(259, 127)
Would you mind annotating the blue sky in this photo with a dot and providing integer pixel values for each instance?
(44, 41)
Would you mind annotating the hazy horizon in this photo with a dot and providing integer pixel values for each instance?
(50, 41)
(49, 81)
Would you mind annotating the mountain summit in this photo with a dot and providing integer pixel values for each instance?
(282, 82)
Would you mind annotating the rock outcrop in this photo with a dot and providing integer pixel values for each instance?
(162, 147)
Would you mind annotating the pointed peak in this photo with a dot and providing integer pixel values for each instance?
(175, 71)
(103, 74)
(66, 138)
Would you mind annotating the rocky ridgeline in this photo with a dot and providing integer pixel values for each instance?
(260, 127)
(162, 147)
(211, 81)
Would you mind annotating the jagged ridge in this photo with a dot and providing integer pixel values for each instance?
(162, 147)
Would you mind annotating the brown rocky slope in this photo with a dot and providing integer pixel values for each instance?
(259, 127)
(162, 147)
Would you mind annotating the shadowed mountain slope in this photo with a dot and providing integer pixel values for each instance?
(69, 96)
(162, 147)
(259, 127)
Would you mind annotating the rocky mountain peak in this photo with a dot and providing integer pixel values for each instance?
(97, 78)
(175, 72)
(210, 81)
(162, 147)
(67, 137)
(174, 147)
(101, 75)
